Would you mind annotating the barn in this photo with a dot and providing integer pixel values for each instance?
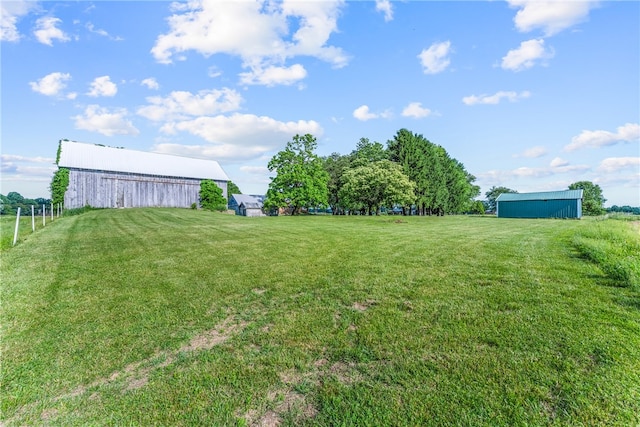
(108, 177)
(548, 204)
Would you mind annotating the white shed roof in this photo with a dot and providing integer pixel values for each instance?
(80, 155)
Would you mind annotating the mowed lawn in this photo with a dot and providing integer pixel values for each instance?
(181, 317)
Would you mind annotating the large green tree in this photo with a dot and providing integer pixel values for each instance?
(371, 186)
(301, 180)
(336, 165)
(367, 152)
(592, 198)
(493, 194)
(442, 183)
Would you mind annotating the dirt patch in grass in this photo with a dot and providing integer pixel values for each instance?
(213, 337)
(363, 306)
(345, 373)
(287, 402)
(291, 403)
(136, 375)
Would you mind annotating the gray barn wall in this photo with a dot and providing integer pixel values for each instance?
(101, 189)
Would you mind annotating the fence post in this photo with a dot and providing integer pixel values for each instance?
(15, 234)
(51, 211)
(43, 214)
(33, 219)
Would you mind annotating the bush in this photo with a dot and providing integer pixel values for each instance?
(211, 196)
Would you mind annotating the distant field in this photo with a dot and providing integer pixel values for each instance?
(181, 317)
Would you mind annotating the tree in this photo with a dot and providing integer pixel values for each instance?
(368, 152)
(382, 183)
(6, 207)
(211, 197)
(336, 165)
(301, 180)
(493, 194)
(442, 183)
(592, 198)
(232, 189)
(15, 198)
(477, 207)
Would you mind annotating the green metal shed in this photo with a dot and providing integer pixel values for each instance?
(548, 204)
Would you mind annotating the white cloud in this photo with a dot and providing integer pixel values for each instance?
(555, 168)
(526, 56)
(25, 169)
(615, 164)
(181, 104)
(495, 98)
(255, 170)
(416, 110)
(236, 137)
(102, 86)
(221, 152)
(362, 113)
(46, 30)
(52, 84)
(272, 75)
(14, 167)
(263, 41)
(533, 152)
(558, 162)
(435, 59)
(10, 14)
(550, 16)
(385, 7)
(109, 123)
(627, 133)
(214, 71)
(150, 83)
(18, 158)
(91, 28)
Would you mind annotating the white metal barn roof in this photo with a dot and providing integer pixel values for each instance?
(80, 155)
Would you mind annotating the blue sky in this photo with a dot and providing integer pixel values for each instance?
(531, 95)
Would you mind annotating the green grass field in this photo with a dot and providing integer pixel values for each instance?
(181, 317)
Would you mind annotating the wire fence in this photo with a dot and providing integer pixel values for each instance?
(15, 229)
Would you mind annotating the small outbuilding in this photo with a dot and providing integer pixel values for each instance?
(246, 205)
(548, 204)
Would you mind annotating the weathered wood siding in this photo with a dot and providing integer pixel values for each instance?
(101, 189)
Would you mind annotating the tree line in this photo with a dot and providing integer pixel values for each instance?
(10, 203)
(410, 175)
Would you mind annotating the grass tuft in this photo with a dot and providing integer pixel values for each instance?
(615, 247)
